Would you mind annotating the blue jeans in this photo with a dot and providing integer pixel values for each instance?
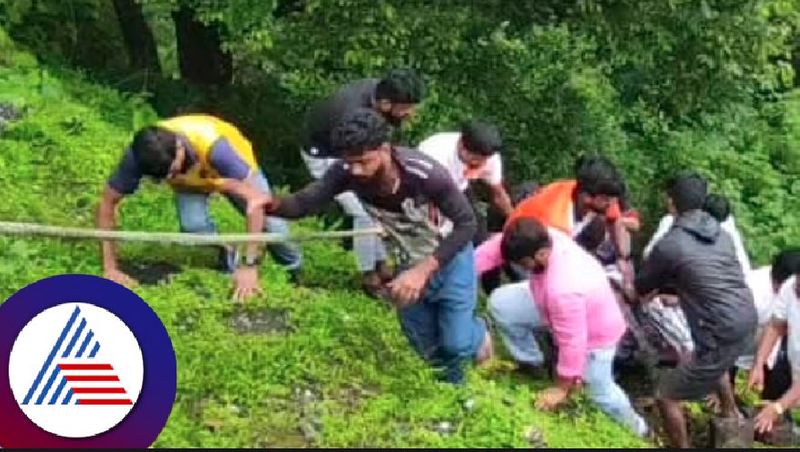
(195, 217)
(512, 306)
(442, 326)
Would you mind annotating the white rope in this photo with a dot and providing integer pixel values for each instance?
(181, 238)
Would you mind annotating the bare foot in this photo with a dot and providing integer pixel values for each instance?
(486, 352)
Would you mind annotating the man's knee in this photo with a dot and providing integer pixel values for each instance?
(197, 224)
(501, 304)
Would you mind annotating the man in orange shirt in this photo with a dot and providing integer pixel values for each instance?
(573, 204)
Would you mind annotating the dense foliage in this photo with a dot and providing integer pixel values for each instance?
(319, 365)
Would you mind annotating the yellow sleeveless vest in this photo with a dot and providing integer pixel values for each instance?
(201, 131)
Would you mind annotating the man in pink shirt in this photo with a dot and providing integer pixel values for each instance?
(574, 299)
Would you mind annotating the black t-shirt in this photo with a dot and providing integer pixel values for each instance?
(327, 113)
(412, 216)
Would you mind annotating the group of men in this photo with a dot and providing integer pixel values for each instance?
(567, 242)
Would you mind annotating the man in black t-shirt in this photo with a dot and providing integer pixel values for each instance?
(407, 192)
(395, 97)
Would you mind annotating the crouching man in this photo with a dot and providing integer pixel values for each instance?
(402, 189)
(569, 292)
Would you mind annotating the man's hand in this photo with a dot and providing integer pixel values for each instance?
(260, 203)
(551, 397)
(120, 277)
(626, 268)
(407, 288)
(756, 379)
(765, 419)
(245, 282)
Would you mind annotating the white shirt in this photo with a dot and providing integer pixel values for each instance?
(787, 308)
(760, 283)
(443, 147)
(729, 225)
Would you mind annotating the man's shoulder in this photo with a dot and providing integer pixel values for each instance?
(438, 141)
(418, 163)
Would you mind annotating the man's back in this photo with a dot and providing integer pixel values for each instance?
(700, 261)
(328, 112)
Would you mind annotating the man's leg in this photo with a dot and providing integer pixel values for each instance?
(463, 335)
(605, 392)
(369, 250)
(194, 217)
(288, 253)
(419, 323)
(513, 310)
(692, 380)
(674, 422)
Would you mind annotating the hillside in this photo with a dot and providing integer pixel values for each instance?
(313, 366)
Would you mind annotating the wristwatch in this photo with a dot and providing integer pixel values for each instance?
(251, 261)
(778, 408)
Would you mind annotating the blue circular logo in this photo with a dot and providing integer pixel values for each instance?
(84, 362)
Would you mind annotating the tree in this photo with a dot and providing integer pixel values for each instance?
(138, 36)
(200, 55)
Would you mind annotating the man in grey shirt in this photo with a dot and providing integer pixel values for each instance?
(394, 97)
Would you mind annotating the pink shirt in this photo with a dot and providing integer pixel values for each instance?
(574, 298)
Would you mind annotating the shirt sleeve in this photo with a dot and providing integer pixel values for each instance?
(567, 315)
(228, 163)
(663, 227)
(488, 255)
(127, 176)
(315, 196)
(453, 204)
(494, 170)
(780, 310)
(656, 273)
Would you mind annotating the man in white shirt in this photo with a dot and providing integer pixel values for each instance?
(785, 322)
(719, 208)
(473, 153)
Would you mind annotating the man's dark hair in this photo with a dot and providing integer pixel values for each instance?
(717, 206)
(154, 151)
(785, 264)
(523, 238)
(688, 191)
(596, 175)
(524, 191)
(401, 86)
(361, 130)
(481, 138)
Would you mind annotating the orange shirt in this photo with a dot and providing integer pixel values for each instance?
(553, 205)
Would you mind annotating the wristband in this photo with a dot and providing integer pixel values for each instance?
(778, 408)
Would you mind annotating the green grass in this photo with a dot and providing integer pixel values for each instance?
(342, 374)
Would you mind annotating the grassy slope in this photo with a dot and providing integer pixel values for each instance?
(365, 387)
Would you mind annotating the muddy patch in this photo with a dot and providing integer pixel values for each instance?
(264, 321)
(150, 273)
(8, 113)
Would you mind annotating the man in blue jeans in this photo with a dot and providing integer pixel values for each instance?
(406, 192)
(198, 155)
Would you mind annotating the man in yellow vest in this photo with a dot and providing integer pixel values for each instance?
(198, 155)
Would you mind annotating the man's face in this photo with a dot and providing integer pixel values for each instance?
(538, 263)
(395, 113)
(473, 162)
(369, 165)
(179, 163)
(598, 203)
